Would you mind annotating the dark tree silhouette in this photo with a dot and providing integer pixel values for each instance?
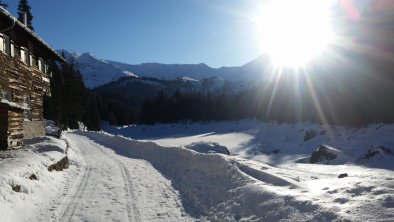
(23, 8)
(70, 101)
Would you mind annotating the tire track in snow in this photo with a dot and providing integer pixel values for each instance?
(75, 200)
(120, 188)
(131, 198)
(130, 193)
(133, 214)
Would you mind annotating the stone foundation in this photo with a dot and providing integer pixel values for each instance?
(33, 129)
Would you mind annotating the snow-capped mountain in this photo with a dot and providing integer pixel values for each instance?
(251, 71)
(97, 72)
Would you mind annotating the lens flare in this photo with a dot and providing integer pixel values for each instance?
(294, 32)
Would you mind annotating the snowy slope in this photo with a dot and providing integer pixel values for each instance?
(94, 71)
(98, 72)
(252, 71)
(366, 194)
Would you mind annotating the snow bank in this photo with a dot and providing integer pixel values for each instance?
(17, 166)
(217, 187)
(273, 143)
(367, 156)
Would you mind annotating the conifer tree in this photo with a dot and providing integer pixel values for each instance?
(91, 116)
(24, 7)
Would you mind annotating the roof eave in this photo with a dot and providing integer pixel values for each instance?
(33, 34)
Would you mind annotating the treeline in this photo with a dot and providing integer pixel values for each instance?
(117, 109)
(70, 102)
(327, 94)
(343, 97)
(200, 107)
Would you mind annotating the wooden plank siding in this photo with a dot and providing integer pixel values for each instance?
(21, 80)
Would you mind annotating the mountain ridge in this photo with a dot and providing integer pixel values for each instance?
(97, 72)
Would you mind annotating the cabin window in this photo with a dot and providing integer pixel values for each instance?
(46, 68)
(2, 43)
(34, 62)
(39, 64)
(17, 52)
(6, 95)
(12, 49)
(25, 55)
(27, 105)
(30, 59)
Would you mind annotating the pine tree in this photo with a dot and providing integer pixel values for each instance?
(70, 101)
(3, 5)
(24, 7)
(92, 117)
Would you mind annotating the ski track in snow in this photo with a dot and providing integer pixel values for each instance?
(115, 188)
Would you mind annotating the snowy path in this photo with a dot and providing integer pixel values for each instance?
(116, 188)
(115, 178)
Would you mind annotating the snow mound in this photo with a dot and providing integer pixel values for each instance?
(216, 188)
(19, 189)
(208, 147)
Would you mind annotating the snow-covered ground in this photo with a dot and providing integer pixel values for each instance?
(152, 173)
(36, 198)
(284, 150)
(99, 185)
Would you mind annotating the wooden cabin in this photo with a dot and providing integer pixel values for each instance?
(23, 81)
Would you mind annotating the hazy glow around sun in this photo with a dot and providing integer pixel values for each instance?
(292, 32)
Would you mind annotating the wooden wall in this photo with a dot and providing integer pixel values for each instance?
(21, 80)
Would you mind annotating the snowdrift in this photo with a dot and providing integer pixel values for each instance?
(25, 182)
(220, 188)
(275, 143)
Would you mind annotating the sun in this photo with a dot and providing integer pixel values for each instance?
(292, 32)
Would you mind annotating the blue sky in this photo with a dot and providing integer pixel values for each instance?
(216, 32)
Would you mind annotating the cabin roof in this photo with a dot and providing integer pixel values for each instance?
(7, 21)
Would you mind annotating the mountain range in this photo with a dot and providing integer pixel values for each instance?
(97, 72)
